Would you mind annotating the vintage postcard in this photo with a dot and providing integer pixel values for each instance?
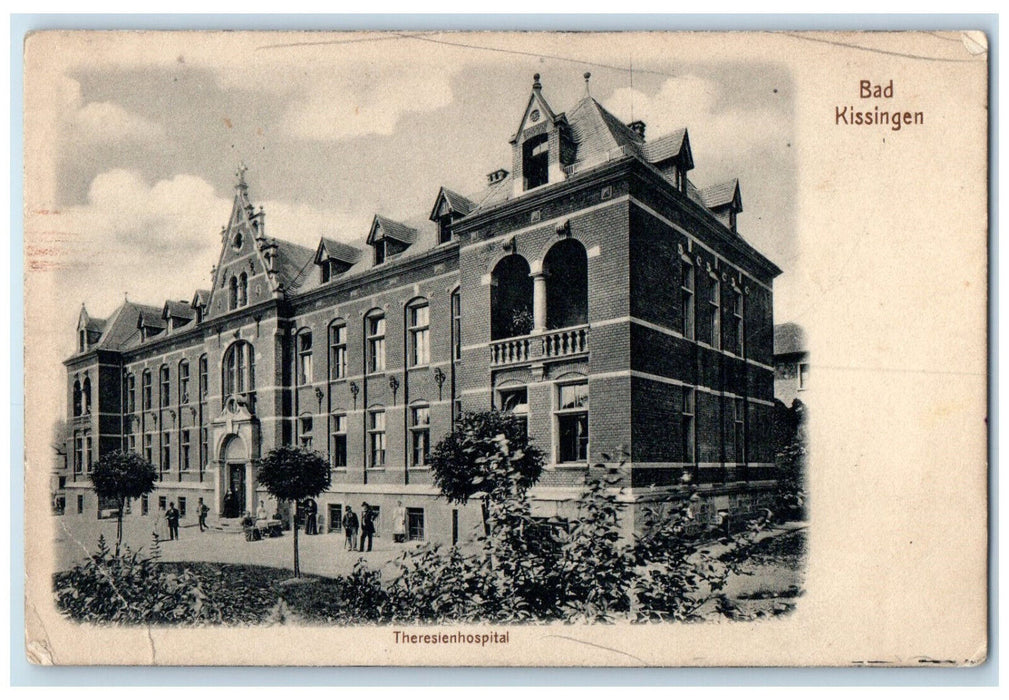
(500, 349)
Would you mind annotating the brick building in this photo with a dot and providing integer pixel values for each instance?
(791, 362)
(591, 289)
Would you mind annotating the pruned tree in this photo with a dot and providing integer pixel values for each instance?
(118, 476)
(466, 463)
(292, 474)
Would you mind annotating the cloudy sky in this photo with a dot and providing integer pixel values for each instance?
(133, 140)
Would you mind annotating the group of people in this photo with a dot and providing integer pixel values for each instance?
(166, 526)
(366, 525)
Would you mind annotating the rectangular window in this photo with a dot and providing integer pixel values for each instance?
(456, 326)
(204, 447)
(89, 456)
(379, 252)
(516, 402)
(420, 435)
(338, 441)
(415, 523)
(803, 375)
(739, 430)
(445, 229)
(335, 517)
(376, 439)
(182, 506)
(162, 502)
(80, 504)
(376, 343)
(305, 359)
(737, 321)
(78, 453)
(714, 312)
(132, 442)
(337, 351)
(131, 393)
(184, 448)
(165, 396)
(688, 431)
(572, 418)
(184, 383)
(687, 298)
(166, 451)
(145, 505)
(419, 326)
(305, 432)
(148, 447)
(146, 390)
(204, 384)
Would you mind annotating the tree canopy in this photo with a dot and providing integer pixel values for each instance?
(465, 463)
(123, 475)
(292, 473)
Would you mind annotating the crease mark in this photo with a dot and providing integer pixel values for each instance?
(598, 646)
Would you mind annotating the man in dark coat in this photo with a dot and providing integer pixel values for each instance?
(350, 524)
(367, 526)
(172, 516)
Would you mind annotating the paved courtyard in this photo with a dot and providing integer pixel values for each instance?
(322, 555)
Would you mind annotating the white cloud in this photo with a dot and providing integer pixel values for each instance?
(340, 104)
(105, 122)
(728, 132)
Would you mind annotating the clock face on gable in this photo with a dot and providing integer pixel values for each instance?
(534, 116)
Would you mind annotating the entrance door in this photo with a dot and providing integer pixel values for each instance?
(236, 484)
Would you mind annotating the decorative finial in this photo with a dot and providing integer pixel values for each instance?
(587, 76)
(536, 81)
(240, 173)
(126, 297)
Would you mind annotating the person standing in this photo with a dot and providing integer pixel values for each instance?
(172, 516)
(310, 510)
(399, 523)
(161, 524)
(350, 528)
(367, 526)
(201, 511)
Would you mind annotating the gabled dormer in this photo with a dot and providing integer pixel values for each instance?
(177, 314)
(149, 322)
(725, 201)
(671, 155)
(334, 258)
(389, 238)
(448, 207)
(199, 304)
(89, 330)
(542, 144)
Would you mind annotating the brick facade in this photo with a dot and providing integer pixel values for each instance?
(601, 352)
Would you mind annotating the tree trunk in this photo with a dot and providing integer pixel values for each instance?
(485, 512)
(119, 525)
(294, 527)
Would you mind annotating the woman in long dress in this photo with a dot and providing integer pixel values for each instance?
(161, 524)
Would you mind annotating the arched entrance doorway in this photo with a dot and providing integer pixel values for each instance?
(235, 477)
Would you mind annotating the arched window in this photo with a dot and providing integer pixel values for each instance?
(243, 289)
(374, 331)
(511, 301)
(184, 382)
(165, 388)
(566, 267)
(337, 349)
(86, 395)
(304, 358)
(238, 370)
(77, 398)
(145, 389)
(418, 325)
(233, 293)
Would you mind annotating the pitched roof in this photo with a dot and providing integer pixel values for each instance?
(666, 147)
(149, 317)
(337, 251)
(178, 309)
(456, 203)
(291, 262)
(789, 339)
(721, 194)
(392, 229)
(201, 297)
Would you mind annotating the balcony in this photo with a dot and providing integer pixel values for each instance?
(540, 346)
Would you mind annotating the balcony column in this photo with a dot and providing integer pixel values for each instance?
(539, 300)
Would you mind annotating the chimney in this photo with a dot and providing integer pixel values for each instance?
(497, 176)
(638, 127)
